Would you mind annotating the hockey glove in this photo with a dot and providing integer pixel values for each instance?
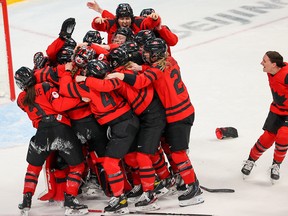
(67, 28)
(226, 132)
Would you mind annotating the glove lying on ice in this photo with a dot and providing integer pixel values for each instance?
(225, 132)
(67, 28)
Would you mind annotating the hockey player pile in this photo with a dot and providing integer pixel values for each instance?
(113, 119)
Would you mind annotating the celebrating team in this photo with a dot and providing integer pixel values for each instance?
(107, 114)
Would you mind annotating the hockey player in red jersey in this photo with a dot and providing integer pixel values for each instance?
(124, 18)
(109, 109)
(46, 69)
(84, 124)
(121, 36)
(57, 47)
(45, 108)
(276, 126)
(163, 71)
(162, 31)
(59, 52)
(147, 106)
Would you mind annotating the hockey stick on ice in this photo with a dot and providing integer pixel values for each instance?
(152, 213)
(217, 190)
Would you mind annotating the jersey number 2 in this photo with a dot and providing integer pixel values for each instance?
(178, 88)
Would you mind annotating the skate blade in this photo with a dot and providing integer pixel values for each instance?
(171, 192)
(151, 207)
(273, 181)
(24, 212)
(92, 191)
(244, 176)
(133, 199)
(59, 203)
(92, 195)
(121, 211)
(76, 212)
(193, 201)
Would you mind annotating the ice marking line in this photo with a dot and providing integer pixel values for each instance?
(32, 32)
(228, 35)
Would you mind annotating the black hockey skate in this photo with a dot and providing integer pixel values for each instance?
(73, 207)
(117, 205)
(180, 185)
(26, 204)
(192, 195)
(275, 172)
(170, 184)
(247, 167)
(147, 202)
(159, 188)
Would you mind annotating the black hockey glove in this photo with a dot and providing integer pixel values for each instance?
(226, 132)
(67, 28)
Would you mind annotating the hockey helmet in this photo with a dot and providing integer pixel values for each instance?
(24, 78)
(118, 57)
(93, 36)
(97, 68)
(65, 54)
(124, 10)
(82, 55)
(147, 11)
(157, 49)
(143, 36)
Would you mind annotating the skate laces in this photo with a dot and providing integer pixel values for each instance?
(169, 182)
(92, 185)
(75, 201)
(113, 201)
(275, 169)
(145, 196)
(178, 179)
(188, 190)
(136, 188)
(248, 164)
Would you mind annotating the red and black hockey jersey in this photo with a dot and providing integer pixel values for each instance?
(106, 104)
(52, 74)
(47, 74)
(279, 88)
(138, 99)
(110, 25)
(47, 102)
(170, 88)
(54, 48)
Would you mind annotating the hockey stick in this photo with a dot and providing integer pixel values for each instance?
(217, 190)
(152, 213)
